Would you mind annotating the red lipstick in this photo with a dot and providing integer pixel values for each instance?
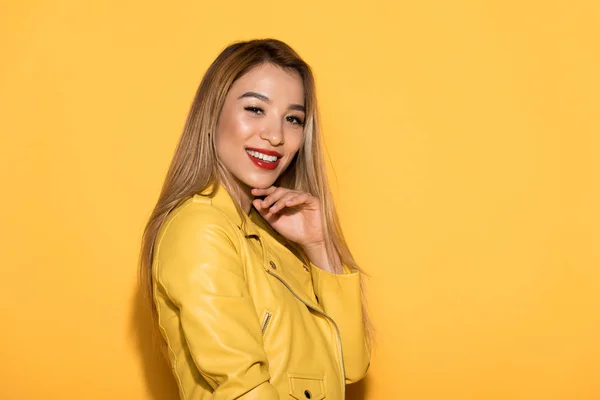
(265, 151)
(269, 165)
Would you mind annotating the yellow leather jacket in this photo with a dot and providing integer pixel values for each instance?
(244, 317)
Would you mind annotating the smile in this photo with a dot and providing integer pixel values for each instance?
(263, 161)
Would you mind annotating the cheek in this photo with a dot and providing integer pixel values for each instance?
(293, 142)
(232, 127)
(296, 141)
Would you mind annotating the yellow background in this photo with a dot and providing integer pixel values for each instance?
(464, 137)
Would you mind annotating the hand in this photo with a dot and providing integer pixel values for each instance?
(294, 214)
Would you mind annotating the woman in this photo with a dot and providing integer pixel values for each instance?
(255, 291)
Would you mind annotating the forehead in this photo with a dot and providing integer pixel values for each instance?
(274, 82)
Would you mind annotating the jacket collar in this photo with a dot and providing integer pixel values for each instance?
(221, 199)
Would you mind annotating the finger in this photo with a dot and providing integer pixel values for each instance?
(282, 202)
(263, 192)
(275, 196)
(260, 192)
(265, 212)
(298, 199)
(270, 218)
(257, 204)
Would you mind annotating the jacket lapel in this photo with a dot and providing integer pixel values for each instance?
(275, 253)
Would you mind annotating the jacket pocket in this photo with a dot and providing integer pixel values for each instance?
(305, 387)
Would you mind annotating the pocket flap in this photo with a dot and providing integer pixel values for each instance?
(306, 387)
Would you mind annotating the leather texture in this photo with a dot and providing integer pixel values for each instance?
(244, 317)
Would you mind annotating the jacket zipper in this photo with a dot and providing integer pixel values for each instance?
(337, 330)
(265, 322)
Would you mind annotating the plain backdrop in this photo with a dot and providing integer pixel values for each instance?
(463, 149)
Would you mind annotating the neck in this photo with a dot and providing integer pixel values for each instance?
(245, 198)
(242, 193)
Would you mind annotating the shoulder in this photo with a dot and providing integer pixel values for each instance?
(196, 245)
(194, 221)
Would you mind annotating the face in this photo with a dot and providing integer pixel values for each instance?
(260, 127)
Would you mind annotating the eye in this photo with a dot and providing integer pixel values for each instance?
(295, 120)
(254, 110)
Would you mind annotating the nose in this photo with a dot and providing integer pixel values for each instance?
(273, 132)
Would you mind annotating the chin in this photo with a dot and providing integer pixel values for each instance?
(262, 185)
(259, 182)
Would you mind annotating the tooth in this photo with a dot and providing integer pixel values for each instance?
(262, 156)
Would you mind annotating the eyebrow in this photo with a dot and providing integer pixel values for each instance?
(298, 107)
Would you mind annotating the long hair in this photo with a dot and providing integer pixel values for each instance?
(195, 165)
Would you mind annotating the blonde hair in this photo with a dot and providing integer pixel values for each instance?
(195, 165)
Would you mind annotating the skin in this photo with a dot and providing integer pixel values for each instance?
(264, 110)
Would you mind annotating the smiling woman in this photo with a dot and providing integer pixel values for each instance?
(251, 282)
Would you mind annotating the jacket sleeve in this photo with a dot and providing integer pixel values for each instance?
(200, 270)
(340, 296)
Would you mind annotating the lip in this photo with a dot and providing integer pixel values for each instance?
(265, 151)
(264, 164)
